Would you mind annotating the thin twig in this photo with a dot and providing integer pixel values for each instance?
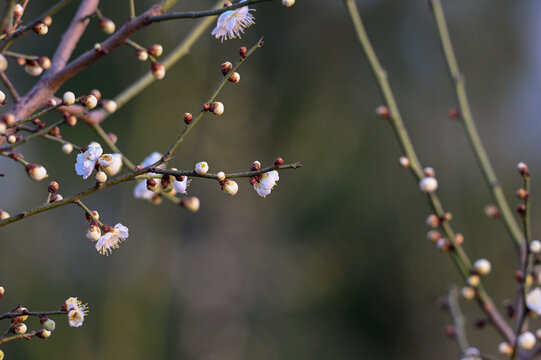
(471, 130)
(10, 315)
(458, 319)
(9, 86)
(132, 9)
(457, 253)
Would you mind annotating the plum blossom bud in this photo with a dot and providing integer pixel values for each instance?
(230, 187)
(22, 317)
(52, 103)
(109, 105)
(523, 169)
(459, 239)
(256, 165)
(48, 324)
(47, 20)
(2, 96)
(535, 246)
(468, 292)
(53, 187)
(505, 348)
(97, 47)
(12, 139)
(482, 267)
(428, 184)
(43, 334)
(522, 194)
(3, 126)
(429, 172)
(473, 280)
(243, 51)
(68, 98)
(201, 168)
(156, 199)
(18, 10)
(158, 70)
(166, 183)
(40, 28)
(433, 236)
(93, 233)
(21, 61)
(9, 119)
(114, 166)
(492, 211)
(3, 63)
(225, 67)
(188, 117)
(90, 101)
(142, 54)
(152, 185)
(67, 148)
(443, 244)
(383, 112)
(234, 78)
(101, 177)
(526, 340)
(288, 3)
(432, 221)
(3, 214)
(2, 291)
(55, 198)
(220, 176)
(190, 203)
(107, 25)
(32, 68)
(155, 50)
(217, 108)
(44, 62)
(36, 172)
(19, 329)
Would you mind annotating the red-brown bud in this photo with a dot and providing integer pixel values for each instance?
(155, 50)
(188, 117)
(454, 113)
(278, 162)
(225, 67)
(54, 131)
(521, 210)
(383, 112)
(522, 194)
(206, 106)
(53, 187)
(242, 52)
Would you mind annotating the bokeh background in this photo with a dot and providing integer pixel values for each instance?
(334, 263)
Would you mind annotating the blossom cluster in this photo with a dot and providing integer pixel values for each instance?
(76, 311)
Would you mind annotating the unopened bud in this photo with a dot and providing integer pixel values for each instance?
(230, 187)
(443, 245)
(3, 63)
(71, 120)
(473, 280)
(101, 177)
(67, 148)
(107, 25)
(97, 47)
(234, 78)
(158, 70)
(93, 233)
(404, 161)
(256, 165)
(152, 185)
(468, 292)
(49, 324)
(32, 68)
(278, 162)
(505, 348)
(217, 108)
(12, 139)
(44, 62)
(40, 28)
(155, 50)
(36, 172)
(2, 291)
(18, 10)
(523, 169)
(23, 317)
(225, 67)
(90, 101)
(3, 214)
(142, 54)
(190, 203)
(9, 119)
(433, 236)
(526, 340)
(68, 98)
(535, 246)
(482, 267)
(2, 96)
(428, 171)
(521, 209)
(220, 176)
(459, 239)
(492, 211)
(166, 184)
(188, 117)
(201, 168)
(242, 52)
(43, 334)
(110, 106)
(96, 93)
(53, 187)
(19, 329)
(47, 20)
(522, 194)
(383, 112)
(428, 184)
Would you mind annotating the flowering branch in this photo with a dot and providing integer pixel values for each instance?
(392, 113)
(471, 130)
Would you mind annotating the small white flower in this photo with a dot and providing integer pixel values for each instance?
(76, 317)
(265, 184)
(181, 186)
(428, 184)
(115, 165)
(87, 160)
(151, 159)
(140, 191)
(233, 22)
(201, 168)
(533, 300)
(106, 160)
(111, 240)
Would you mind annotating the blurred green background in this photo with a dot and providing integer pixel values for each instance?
(334, 263)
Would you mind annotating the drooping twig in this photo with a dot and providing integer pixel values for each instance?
(458, 319)
(471, 130)
(457, 253)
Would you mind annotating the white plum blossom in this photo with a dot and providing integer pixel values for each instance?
(87, 160)
(181, 186)
(76, 317)
(533, 300)
(201, 168)
(115, 166)
(111, 239)
(151, 159)
(76, 311)
(233, 22)
(265, 184)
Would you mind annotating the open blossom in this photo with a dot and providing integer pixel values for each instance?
(111, 239)
(233, 22)
(140, 191)
(87, 160)
(114, 165)
(264, 185)
(76, 311)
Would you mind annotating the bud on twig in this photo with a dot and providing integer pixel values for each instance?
(188, 118)
(53, 187)
(523, 169)
(158, 70)
(155, 50)
(242, 52)
(383, 112)
(225, 67)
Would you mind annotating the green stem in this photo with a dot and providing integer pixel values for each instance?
(132, 9)
(471, 130)
(28, 336)
(216, 91)
(458, 254)
(88, 211)
(10, 86)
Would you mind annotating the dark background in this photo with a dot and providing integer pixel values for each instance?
(334, 263)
